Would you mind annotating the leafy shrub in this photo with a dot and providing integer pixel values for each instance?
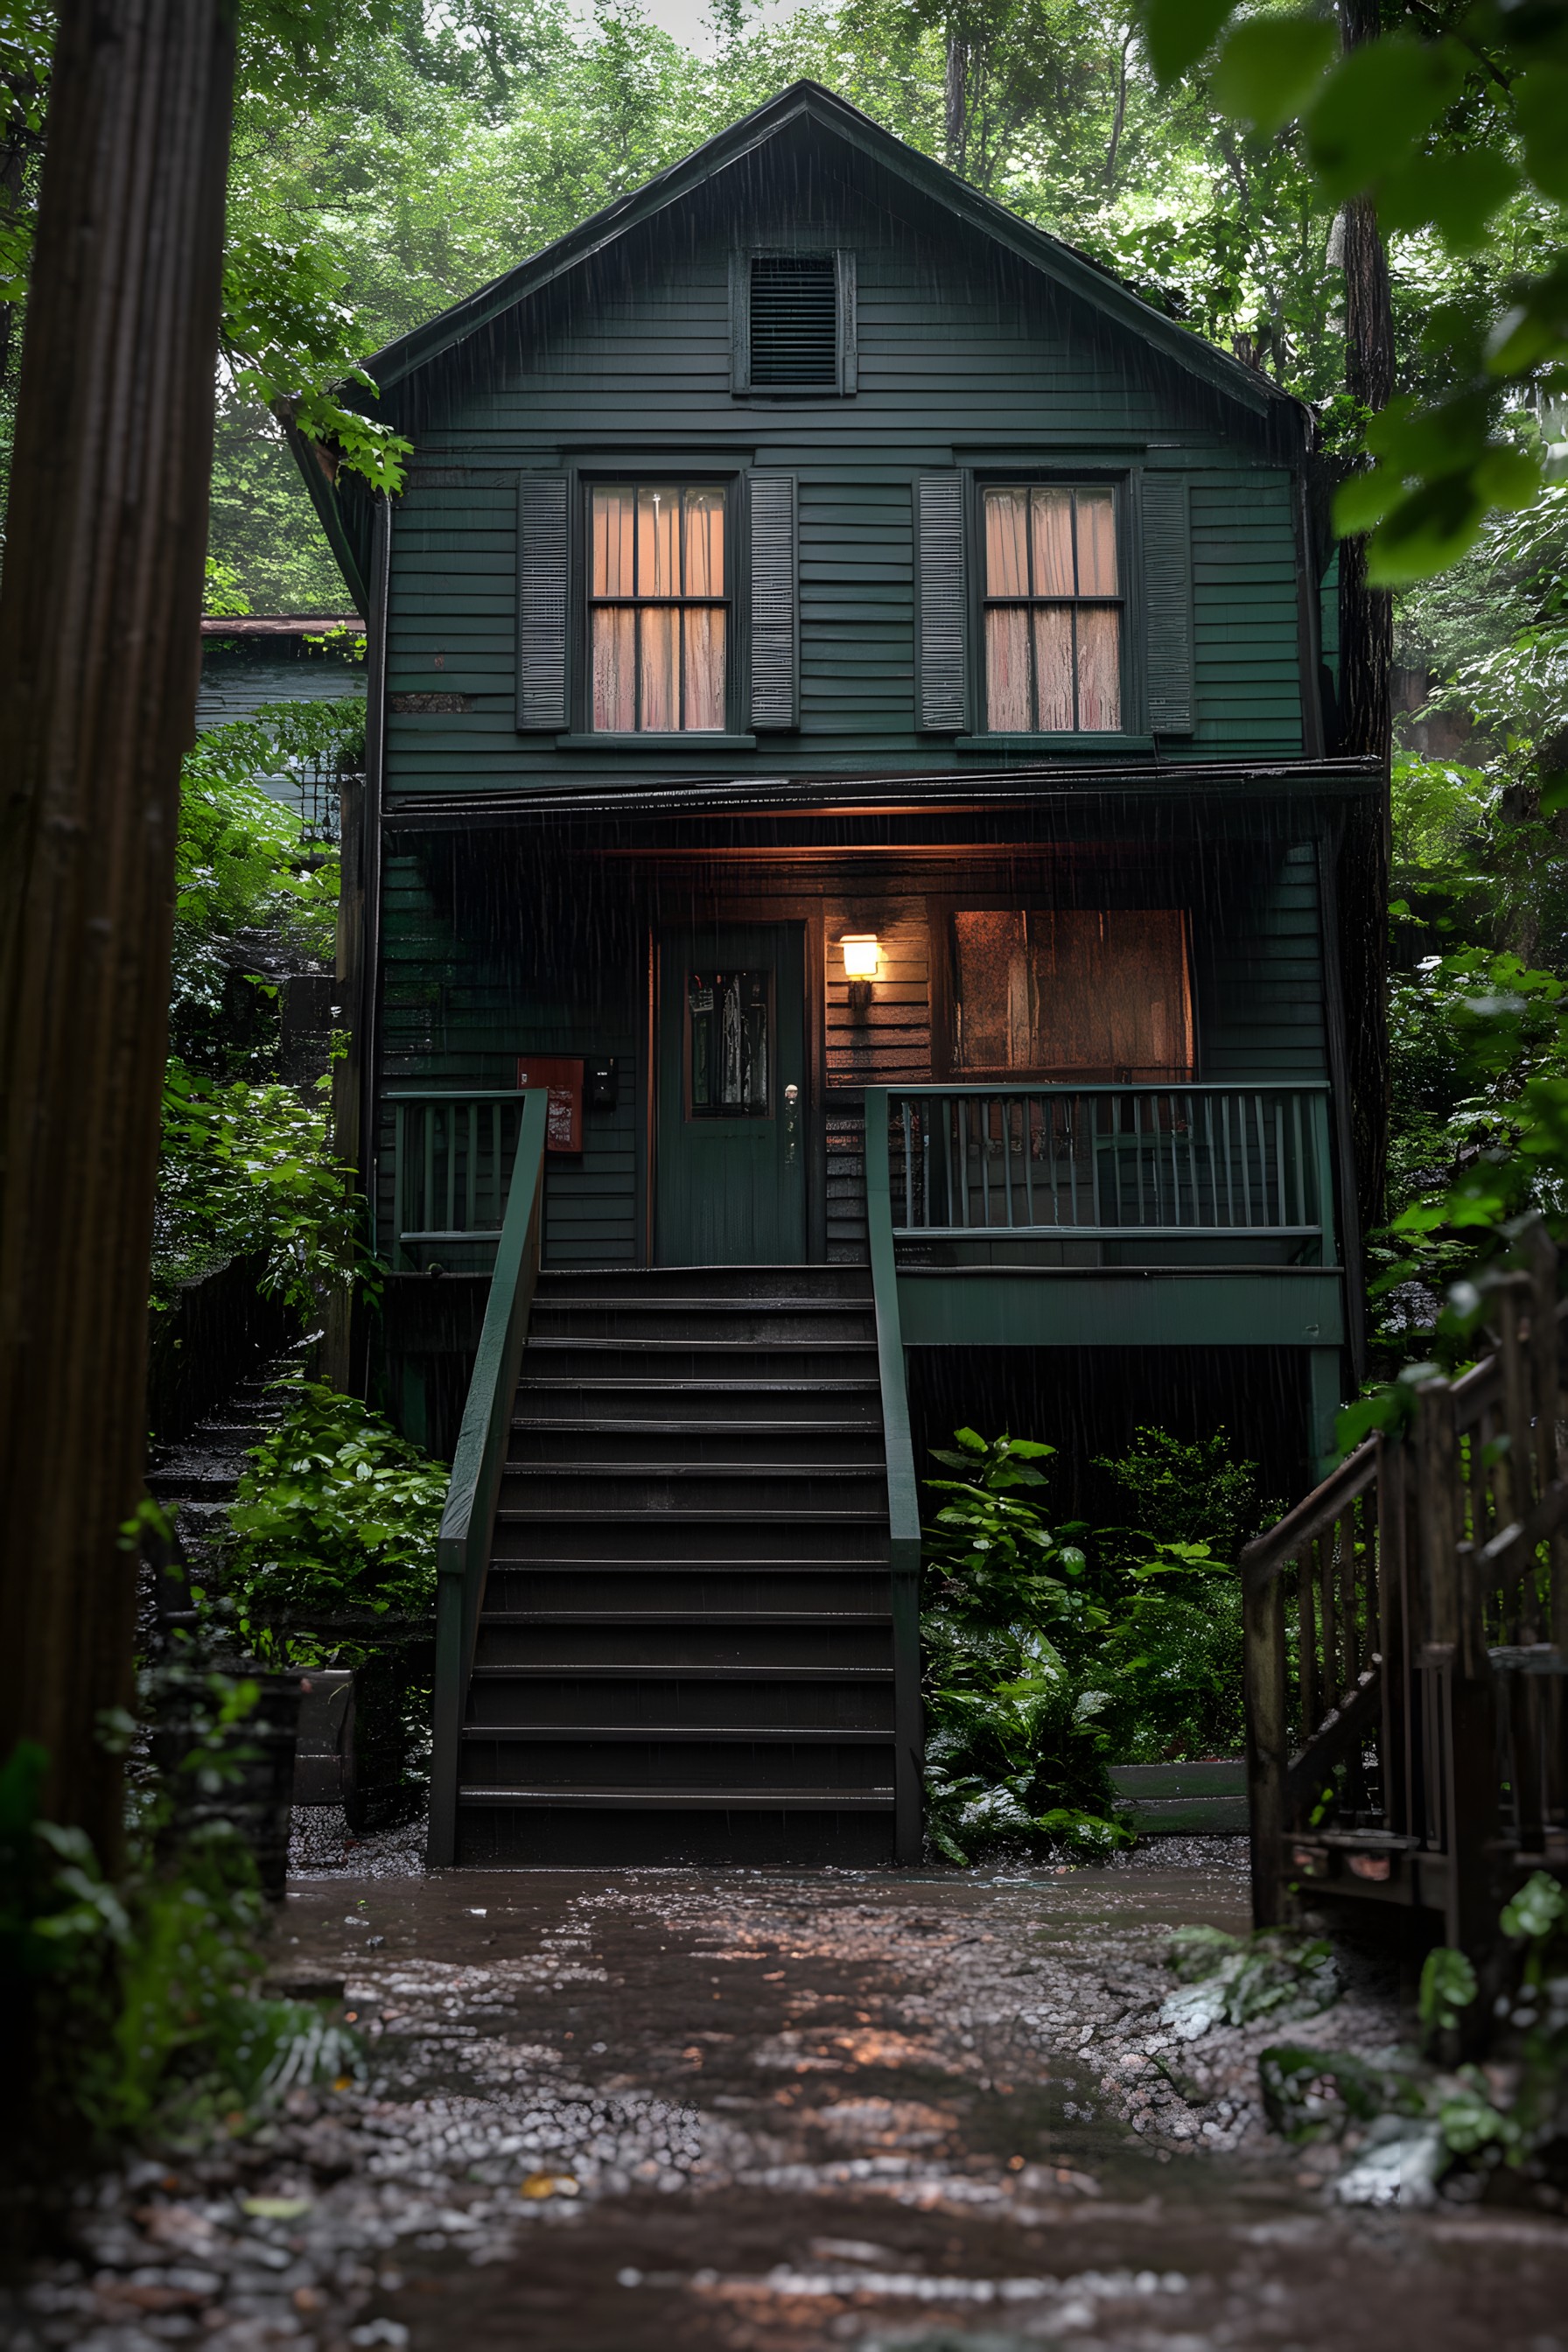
(1177, 1492)
(1041, 1668)
(336, 1518)
(1015, 1749)
(249, 1168)
(142, 1997)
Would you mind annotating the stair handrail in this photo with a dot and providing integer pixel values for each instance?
(468, 1522)
(903, 1495)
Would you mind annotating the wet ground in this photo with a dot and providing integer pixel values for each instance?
(760, 2111)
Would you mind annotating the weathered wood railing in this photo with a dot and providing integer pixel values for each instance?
(463, 1544)
(1100, 1161)
(1406, 1645)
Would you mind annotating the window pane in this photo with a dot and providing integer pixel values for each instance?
(1098, 668)
(1053, 666)
(614, 711)
(1073, 993)
(1112, 993)
(658, 630)
(1007, 670)
(727, 1013)
(704, 543)
(704, 658)
(1007, 546)
(658, 551)
(1096, 543)
(992, 992)
(1051, 516)
(612, 542)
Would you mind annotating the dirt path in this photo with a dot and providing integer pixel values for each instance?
(768, 2112)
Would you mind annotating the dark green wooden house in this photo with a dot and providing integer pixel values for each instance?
(848, 720)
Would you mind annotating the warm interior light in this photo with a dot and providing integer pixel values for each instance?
(862, 954)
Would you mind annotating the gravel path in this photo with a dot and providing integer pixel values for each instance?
(772, 2111)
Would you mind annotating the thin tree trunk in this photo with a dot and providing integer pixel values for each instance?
(955, 102)
(1366, 680)
(99, 648)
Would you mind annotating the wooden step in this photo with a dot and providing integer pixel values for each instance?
(780, 1800)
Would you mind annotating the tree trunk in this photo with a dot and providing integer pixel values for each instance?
(99, 654)
(955, 102)
(1365, 719)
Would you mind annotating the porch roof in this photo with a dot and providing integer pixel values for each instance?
(1017, 789)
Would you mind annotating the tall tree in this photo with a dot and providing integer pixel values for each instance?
(97, 675)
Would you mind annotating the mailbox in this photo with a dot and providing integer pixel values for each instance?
(560, 1075)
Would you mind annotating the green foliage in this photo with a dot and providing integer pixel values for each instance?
(247, 1168)
(1041, 1668)
(336, 1518)
(1447, 1986)
(1184, 1491)
(1234, 1980)
(1445, 130)
(143, 2001)
(1310, 2095)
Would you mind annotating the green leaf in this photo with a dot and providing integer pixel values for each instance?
(1270, 66)
(1179, 31)
(1447, 1986)
(1378, 102)
(1540, 110)
(1457, 191)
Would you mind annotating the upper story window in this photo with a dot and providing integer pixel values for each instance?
(657, 608)
(1052, 605)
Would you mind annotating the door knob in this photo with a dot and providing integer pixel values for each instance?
(792, 1121)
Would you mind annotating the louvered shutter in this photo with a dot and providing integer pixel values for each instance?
(1167, 588)
(943, 613)
(775, 664)
(542, 576)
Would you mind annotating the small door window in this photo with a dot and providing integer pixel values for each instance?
(728, 1044)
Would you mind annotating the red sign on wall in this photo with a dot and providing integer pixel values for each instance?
(561, 1074)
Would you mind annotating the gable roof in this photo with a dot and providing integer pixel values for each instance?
(803, 101)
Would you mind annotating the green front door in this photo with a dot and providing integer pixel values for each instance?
(729, 1125)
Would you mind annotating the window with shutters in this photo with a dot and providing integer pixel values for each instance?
(1052, 603)
(793, 322)
(658, 608)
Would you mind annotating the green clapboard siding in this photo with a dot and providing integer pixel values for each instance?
(457, 1008)
(962, 350)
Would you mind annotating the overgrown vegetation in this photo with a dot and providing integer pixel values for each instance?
(1051, 1653)
(1406, 2118)
(334, 1527)
(247, 1164)
(140, 2000)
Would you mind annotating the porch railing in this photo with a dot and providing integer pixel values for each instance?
(1406, 1646)
(452, 1161)
(467, 1523)
(1102, 1161)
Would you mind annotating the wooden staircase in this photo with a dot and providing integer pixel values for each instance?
(685, 1648)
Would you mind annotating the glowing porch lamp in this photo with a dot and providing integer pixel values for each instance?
(862, 960)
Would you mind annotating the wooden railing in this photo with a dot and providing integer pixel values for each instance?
(903, 1503)
(1406, 1645)
(1101, 1162)
(452, 1158)
(463, 1544)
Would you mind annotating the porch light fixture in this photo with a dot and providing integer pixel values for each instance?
(862, 958)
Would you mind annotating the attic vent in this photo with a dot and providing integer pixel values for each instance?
(795, 322)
